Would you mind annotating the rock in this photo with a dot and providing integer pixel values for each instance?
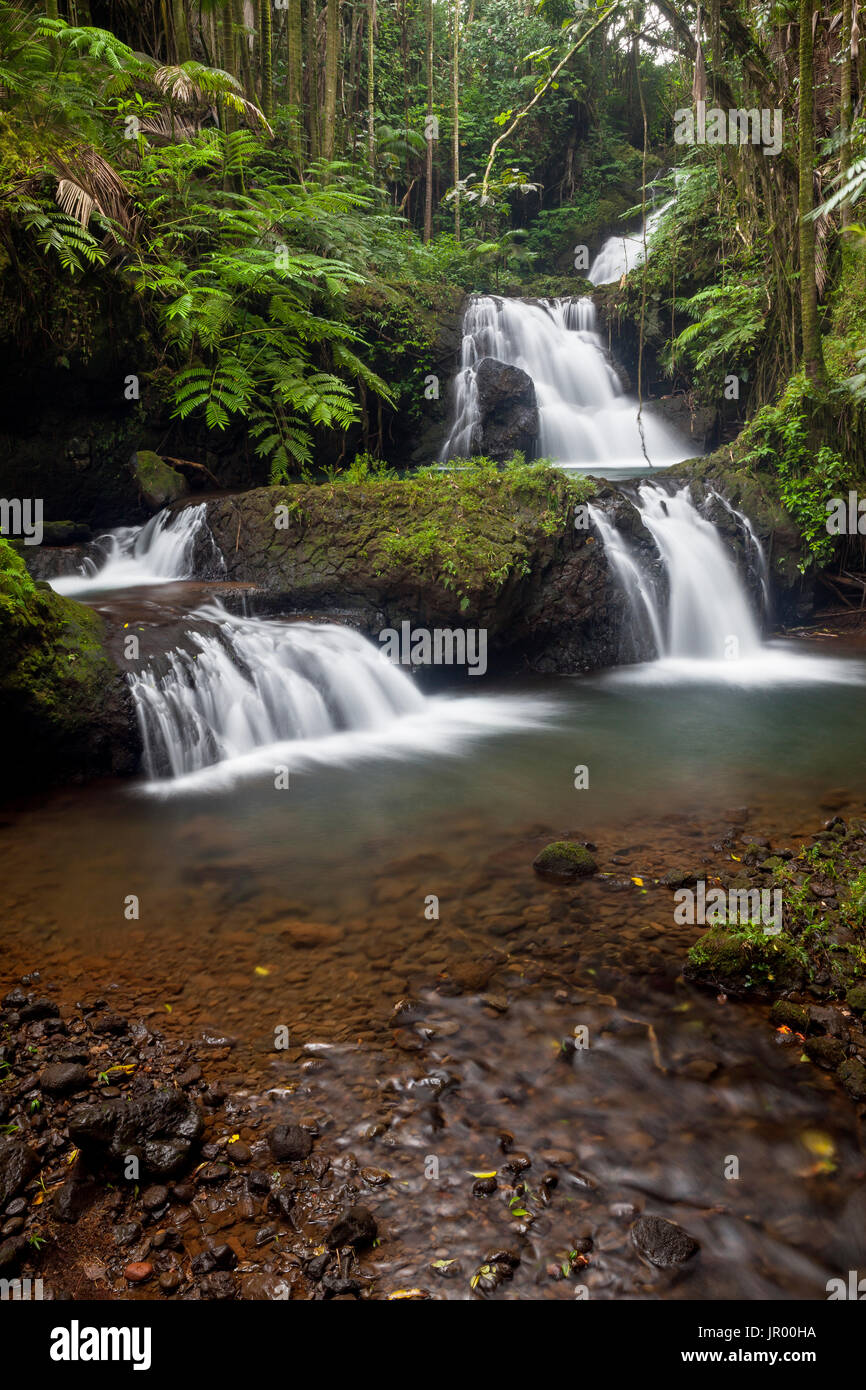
(564, 860)
(220, 1286)
(826, 1052)
(18, 1163)
(289, 1143)
(170, 1280)
(856, 999)
(662, 1242)
(39, 1008)
(238, 1151)
(108, 1023)
(790, 1015)
(852, 1074)
(507, 408)
(154, 1197)
(158, 483)
(73, 1198)
(754, 965)
(60, 1078)
(356, 1227)
(138, 1271)
(159, 1128)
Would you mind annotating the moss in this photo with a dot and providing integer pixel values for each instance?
(745, 962)
(470, 528)
(57, 686)
(158, 481)
(564, 859)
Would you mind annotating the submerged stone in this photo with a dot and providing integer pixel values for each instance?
(564, 860)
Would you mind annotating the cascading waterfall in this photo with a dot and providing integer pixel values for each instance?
(586, 419)
(707, 616)
(247, 683)
(620, 254)
(165, 548)
(246, 694)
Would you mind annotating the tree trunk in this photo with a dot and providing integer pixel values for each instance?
(313, 78)
(455, 112)
(266, 42)
(846, 102)
(371, 85)
(329, 105)
(181, 32)
(428, 194)
(812, 355)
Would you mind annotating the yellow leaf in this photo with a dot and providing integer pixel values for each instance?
(262, 970)
(818, 1143)
(407, 1293)
(491, 1174)
(638, 881)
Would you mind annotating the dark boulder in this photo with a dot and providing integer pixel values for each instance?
(289, 1143)
(356, 1227)
(18, 1163)
(507, 408)
(159, 1129)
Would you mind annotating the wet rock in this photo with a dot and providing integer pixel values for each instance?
(290, 1143)
(507, 410)
(375, 1177)
(856, 999)
(356, 1227)
(564, 860)
(159, 1128)
(61, 1078)
(744, 965)
(158, 483)
(39, 1008)
(852, 1074)
(662, 1242)
(496, 1269)
(138, 1271)
(219, 1286)
(126, 1232)
(108, 1024)
(826, 1052)
(154, 1197)
(11, 1251)
(213, 1172)
(170, 1280)
(238, 1151)
(18, 1163)
(786, 1014)
(484, 1187)
(73, 1198)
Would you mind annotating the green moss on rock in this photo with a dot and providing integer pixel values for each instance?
(745, 963)
(563, 860)
(158, 482)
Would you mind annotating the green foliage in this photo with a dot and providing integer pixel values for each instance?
(728, 321)
(780, 438)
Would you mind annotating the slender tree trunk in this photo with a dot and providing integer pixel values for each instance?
(266, 43)
(812, 355)
(313, 78)
(371, 85)
(455, 112)
(329, 105)
(428, 192)
(846, 101)
(181, 32)
(295, 73)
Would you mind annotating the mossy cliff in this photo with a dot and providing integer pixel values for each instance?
(65, 708)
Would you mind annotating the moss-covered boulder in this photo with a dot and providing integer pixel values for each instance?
(856, 999)
(563, 861)
(65, 710)
(158, 483)
(748, 963)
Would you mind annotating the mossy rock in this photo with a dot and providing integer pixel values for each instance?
(786, 1014)
(66, 709)
(158, 482)
(856, 999)
(564, 860)
(744, 964)
(852, 1074)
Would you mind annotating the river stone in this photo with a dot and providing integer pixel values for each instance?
(852, 1074)
(290, 1143)
(59, 1078)
(662, 1242)
(18, 1163)
(160, 1129)
(856, 999)
(564, 860)
(357, 1227)
(507, 410)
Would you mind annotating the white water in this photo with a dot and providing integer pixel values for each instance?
(706, 629)
(620, 254)
(254, 695)
(586, 420)
(156, 553)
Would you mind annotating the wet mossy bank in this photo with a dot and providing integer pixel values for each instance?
(64, 708)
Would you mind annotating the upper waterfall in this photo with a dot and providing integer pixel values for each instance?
(586, 419)
(622, 253)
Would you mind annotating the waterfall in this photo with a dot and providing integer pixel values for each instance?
(707, 616)
(586, 419)
(622, 253)
(172, 545)
(247, 683)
